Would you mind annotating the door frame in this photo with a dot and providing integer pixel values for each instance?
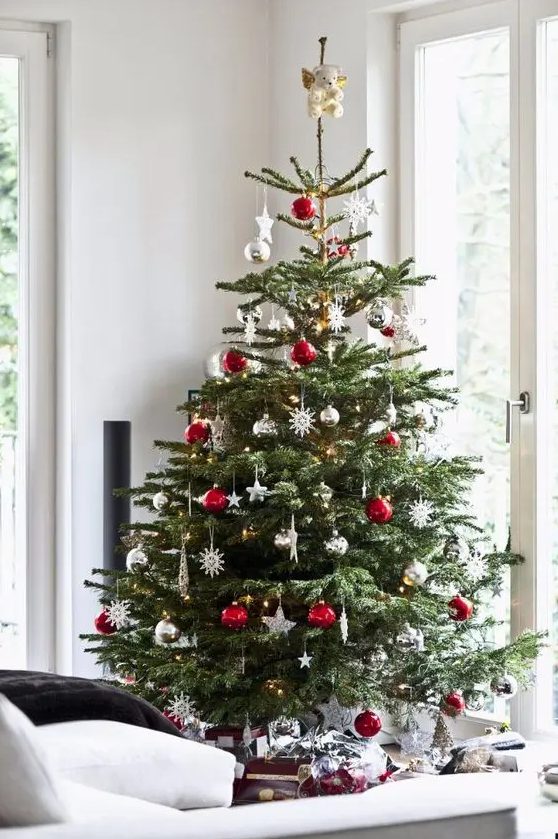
(35, 495)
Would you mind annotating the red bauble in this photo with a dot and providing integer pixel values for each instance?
(336, 247)
(460, 608)
(392, 438)
(303, 352)
(388, 331)
(379, 510)
(215, 500)
(103, 624)
(454, 704)
(303, 208)
(234, 616)
(321, 615)
(176, 721)
(234, 362)
(197, 432)
(367, 724)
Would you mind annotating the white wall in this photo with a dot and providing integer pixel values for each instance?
(164, 106)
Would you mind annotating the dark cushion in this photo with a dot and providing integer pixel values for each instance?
(48, 698)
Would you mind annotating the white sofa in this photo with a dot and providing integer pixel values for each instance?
(91, 779)
(433, 808)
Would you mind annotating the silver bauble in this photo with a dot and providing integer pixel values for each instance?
(265, 427)
(282, 540)
(160, 500)
(136, 558)
(410, 639)
(212, 364)
(379, 315)
(424, 416)
(391, 414)
(253, 312)
(167, 632)
(504, 686)
(337, 545)
(475, 698)
(329, 416)
(456, 549)
(324, 492)
(415, 574)
(257, 251)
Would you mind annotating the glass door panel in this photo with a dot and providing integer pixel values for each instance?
(12, 581)
(462, 234)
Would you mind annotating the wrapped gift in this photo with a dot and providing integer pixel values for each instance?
(273, 779)
(234, 739)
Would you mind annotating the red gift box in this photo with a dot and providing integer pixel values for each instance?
(272, 779)
(231, 738)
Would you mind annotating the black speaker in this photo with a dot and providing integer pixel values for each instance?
(116, 475)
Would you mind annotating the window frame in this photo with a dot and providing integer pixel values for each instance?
(527, 580)
(35, 468)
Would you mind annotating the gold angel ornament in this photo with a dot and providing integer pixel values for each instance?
(325, 85)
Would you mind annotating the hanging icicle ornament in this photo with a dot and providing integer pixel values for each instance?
(344, 625)
(293, 536)
(274, 324)
(211, 559)
(183, 572)
(217, 430)
(302, 419)
(257, 492)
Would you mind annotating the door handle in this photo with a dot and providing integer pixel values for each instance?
(523, 403)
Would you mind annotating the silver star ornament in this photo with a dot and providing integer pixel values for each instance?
(257, 492)
(278, 623)
(265, 223)
(305, 660)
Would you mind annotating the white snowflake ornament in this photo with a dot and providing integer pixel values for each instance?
(476, 566)
(250, 324)
(420, 513)
(358, 208)
(118, 613)
(335, 715)
(182, 708)
(211, 559)
(302, 421)
(344, 626)
(336, 315)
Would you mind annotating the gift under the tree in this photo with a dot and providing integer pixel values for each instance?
(272, 779)
(238, 740)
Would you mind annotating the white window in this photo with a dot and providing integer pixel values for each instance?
(479, 208)
(27, 305)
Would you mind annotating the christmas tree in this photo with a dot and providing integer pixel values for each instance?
(313, 551)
